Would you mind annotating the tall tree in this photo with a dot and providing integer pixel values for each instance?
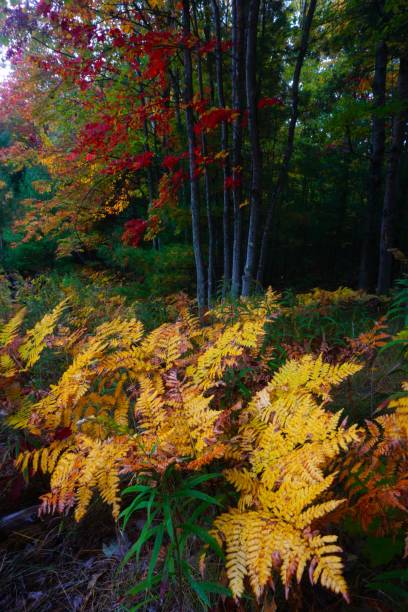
(375, 181)
(224, 147)
(309, 12)
(256, 152)
(238, 97)
(207, 188)
(194, 192)
(390, 208)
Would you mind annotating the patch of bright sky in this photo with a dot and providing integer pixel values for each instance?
(5, 70)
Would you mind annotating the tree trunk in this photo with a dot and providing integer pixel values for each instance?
(388, 225)
(283, 174)
(194, 199)
(175, 82)
(207, 190)
(256, 153)
(224, 148)
(371, 227)
(238, 86)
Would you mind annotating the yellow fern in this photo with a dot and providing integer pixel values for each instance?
(286, 445)
(34, 342)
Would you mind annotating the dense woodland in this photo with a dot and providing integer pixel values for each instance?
(203, 305)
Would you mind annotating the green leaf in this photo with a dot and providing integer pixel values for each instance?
(135, 549)
(144, 585)
(194, 494)
(133, 506)
(393, 343)
(149, 505)
(137, 488)
(156, 550)
(201, 508)
(169, 561)
(382, 550)
(168, 520)
(197, 588)
(196, 480)
(204, 536)
(139, 506)
(216, 587)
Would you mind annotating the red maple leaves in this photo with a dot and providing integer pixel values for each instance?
(269, 101)
(134, 231)
(212, 118)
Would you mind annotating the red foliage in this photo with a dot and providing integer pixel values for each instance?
(171, 161)
(232, 182)
(213, 117)
(134, 230)
(267, 101)
(135, 162)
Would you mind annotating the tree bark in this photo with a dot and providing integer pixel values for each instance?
(388, 221)
(256, 153)
(194, 197)
(284, 169)
(238, 86)
(207, 189)
(224, 148)
(371, 227)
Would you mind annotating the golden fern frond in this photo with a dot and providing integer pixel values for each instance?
(9, 330)
(225, 351)
(149, 408)
(34, 343)
(119, 333)
(8, 367)
(20, 419)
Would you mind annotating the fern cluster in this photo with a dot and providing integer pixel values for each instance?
(133, 403)
(376, 471)
(282, 453)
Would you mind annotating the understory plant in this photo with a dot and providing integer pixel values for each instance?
(160, 415)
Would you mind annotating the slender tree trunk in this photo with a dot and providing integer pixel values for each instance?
(284, 169)
(238, 86)
(388, 225)
(371, 227)
(207, 28)
(194, 198)
(224, 147)
(207, 189)
(256, 154)
(175, 82)
(150, 177)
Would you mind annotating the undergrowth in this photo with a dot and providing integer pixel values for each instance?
(251, 457)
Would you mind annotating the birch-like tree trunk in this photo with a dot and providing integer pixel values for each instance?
(256, 153)
(194, 193)
(224, 147)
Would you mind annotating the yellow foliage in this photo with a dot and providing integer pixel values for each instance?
(132, 402)
(321, 296)
(34, 342)
(9, 330)
(284, 446)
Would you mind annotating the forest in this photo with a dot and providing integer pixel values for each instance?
(203, 305)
